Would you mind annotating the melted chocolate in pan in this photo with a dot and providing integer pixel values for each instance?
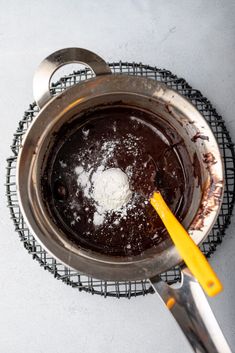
(148, 150)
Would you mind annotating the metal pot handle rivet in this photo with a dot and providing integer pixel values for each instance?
(42, 77)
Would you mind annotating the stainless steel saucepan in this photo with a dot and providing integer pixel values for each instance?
(187, 303)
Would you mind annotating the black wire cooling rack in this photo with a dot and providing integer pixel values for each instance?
(123, 289)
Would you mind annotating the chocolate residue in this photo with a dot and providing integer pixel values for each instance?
(197, 169)
(209, 158)
(212, 193)
(168, 108)
(210, 203)
(198, 135)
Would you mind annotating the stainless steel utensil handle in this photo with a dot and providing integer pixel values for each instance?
(191, 310)
(43, 74)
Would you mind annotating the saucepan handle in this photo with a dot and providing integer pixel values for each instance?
(191, 310)
(42, 77)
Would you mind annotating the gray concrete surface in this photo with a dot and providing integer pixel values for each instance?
(196, 40)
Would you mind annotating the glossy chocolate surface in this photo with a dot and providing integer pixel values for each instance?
(147, 149)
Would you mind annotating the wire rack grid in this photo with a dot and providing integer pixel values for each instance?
(135, 288)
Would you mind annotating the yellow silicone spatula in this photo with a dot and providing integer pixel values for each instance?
(190, 253)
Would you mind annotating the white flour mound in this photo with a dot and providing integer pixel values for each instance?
(111, 189)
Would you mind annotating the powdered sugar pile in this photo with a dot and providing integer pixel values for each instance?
(111, 189)
(105, 185)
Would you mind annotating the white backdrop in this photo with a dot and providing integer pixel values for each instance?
(195, 40)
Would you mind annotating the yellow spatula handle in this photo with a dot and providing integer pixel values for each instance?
(190, 253)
